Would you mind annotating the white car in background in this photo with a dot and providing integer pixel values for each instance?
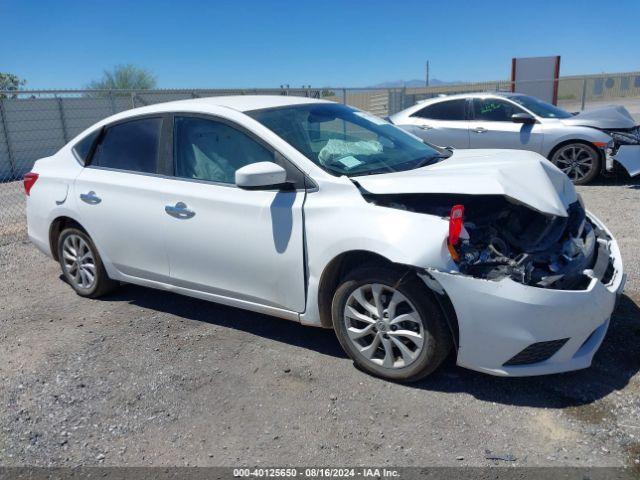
(322, 214)
(581, 145)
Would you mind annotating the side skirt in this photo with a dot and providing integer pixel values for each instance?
(211, 297)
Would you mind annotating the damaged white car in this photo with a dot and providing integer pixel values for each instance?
(325, 215)
(582, 145)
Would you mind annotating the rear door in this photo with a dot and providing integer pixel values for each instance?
(491, 126)
(240, 244)
(443, 123)
(119, 197)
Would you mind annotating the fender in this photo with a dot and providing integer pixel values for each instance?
(555, 135)
(401, 237)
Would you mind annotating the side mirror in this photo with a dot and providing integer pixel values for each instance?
(260, 175)
(522, 118)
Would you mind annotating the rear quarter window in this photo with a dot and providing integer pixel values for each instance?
(82, 149)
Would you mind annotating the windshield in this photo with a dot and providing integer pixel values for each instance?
(540, 108)
(345, 141)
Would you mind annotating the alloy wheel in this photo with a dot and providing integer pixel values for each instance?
(384, 326)
(575, 160)
(78, 262)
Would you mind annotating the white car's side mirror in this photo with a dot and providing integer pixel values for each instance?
(260, 175)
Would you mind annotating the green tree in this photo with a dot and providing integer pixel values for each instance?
(124, 77)
(10, 82)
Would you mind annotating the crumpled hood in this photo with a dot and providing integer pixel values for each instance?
(611, 117)
(524, 177)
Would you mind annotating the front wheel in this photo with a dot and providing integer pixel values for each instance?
(389, 324)
(579, 161)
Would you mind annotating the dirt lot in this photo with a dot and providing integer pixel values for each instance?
(12, 216)
(151, 378)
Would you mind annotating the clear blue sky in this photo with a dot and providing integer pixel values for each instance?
(243, 43)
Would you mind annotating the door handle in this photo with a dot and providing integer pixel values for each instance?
(425, 127)
(179, 210)
(480, 130)
(91, 198)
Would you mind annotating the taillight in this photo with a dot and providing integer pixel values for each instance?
(456, 222)
(29, 180)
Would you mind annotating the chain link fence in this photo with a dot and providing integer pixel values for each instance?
(35, 124)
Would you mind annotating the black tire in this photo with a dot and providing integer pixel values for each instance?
(437, 338)
(102, 284)
(563, 164)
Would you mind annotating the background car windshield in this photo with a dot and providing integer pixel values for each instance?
(345, 141)
(540, 108)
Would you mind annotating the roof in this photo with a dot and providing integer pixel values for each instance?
(473, 94)
(241, 103)
(244, 103)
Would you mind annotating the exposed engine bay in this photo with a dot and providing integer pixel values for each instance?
(624, 136)
(504, 239)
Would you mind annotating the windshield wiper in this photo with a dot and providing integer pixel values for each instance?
(373, 171)
(386, 168)
(428, 160)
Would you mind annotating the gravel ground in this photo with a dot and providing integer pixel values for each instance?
(144, 377)
(12, 217)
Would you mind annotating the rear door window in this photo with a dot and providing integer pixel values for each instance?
(446, 110)
(132, 145)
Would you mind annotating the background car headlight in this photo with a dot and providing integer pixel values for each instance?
(625, 138)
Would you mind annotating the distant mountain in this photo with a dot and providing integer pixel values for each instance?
(433, 82)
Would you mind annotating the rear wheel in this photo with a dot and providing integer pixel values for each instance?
(81, 264)
(389, 324)
(579, 161)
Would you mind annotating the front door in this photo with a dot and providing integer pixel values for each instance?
(241, 244)
(491, 127)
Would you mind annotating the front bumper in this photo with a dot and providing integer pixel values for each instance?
(628, 156)
(499, 319)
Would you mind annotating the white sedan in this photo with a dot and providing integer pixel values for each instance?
(322, 214)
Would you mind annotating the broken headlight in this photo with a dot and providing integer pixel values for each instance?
(631, 137)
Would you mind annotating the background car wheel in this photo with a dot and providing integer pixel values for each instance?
(581, 162)
(389, 324)
(81, 264)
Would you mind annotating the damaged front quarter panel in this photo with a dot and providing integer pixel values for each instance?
(624, 149)
(530, 248)
(501, 319)
(505, 239)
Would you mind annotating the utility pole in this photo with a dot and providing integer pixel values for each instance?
(426, 80)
